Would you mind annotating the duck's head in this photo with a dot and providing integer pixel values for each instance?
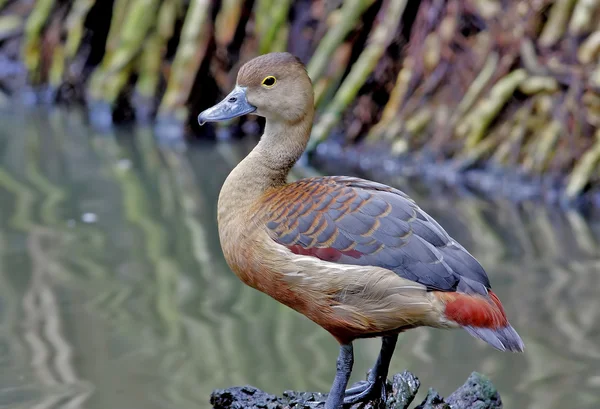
(275, 86)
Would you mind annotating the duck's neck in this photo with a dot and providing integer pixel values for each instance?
(279, 149)
(267, 165)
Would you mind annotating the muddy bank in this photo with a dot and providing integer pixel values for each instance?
(376, 161)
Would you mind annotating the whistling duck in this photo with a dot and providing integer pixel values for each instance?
(359, 258)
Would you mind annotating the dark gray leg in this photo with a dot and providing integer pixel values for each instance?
(345, 360)
(376, 380)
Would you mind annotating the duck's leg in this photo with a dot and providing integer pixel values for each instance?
(376, 380)
(345, 360)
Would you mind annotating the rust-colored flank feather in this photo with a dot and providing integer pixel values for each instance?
(474, 311)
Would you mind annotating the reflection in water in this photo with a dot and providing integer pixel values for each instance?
(114, 292)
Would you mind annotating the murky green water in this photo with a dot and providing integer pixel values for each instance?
(114, 293)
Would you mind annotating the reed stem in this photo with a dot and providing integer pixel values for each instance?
(227, 21)
(557, 23)
(348, 19)
(190, 52)
(584, 169)
(379, 39)
(32, 43)
(74, 25)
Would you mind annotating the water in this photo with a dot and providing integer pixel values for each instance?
(114, 292)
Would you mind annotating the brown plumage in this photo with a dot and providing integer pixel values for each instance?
(359, 258)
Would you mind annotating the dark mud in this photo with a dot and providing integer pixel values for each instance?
(483, 180)
(477, 392)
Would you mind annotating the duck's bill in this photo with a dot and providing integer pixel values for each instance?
(233, 105)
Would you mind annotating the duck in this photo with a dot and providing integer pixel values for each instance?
(357, 257)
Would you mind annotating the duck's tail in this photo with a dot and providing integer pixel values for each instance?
(482, 317)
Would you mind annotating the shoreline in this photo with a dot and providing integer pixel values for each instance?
(375, 161)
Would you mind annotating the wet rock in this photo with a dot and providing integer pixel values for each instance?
(244, 397)
(404, 389)
(476, 393)
(304, 400)
(433, 400)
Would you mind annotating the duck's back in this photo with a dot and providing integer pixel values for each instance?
(358, 222)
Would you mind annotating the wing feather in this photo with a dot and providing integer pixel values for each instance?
(359, 222)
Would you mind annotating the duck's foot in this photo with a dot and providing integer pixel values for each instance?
(366, 390)
(375, 385)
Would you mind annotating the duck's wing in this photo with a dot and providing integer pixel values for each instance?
(355, 221)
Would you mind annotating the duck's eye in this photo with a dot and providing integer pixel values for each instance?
(269, 81)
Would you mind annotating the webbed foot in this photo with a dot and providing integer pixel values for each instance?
(375, 385)
(364, 390)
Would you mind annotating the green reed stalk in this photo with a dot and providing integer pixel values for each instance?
(277, 21)
(378, 41)
(154, 50)
(584, 169)
(190, 53)
(557, 23)
(227, 21)
(348, 19)
(32, 43)
(74, 25)
(109, 79)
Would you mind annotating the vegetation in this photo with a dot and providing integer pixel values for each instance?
(508, 83)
